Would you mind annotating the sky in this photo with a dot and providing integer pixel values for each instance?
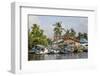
(79, 24)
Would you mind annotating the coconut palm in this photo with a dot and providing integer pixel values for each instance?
(57, 29)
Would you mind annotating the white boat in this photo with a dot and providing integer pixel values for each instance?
(45, 51)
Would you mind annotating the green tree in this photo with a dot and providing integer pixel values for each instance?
(58, 29)
(82, 35)
(79, 35)
(72, 32)
(36, 37)
(85, 35)
(49, 41)
(30, 41)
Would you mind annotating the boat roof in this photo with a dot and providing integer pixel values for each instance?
(41, 46)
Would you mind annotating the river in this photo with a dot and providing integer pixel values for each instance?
(58, 56)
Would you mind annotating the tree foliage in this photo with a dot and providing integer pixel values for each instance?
(58, 29)
(36, 37)
(83, 35)
(72, 32)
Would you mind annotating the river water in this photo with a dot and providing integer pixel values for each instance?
(58, 56)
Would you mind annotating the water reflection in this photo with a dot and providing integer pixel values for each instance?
(57, 56)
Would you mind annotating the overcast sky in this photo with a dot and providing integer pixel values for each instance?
(79, 24)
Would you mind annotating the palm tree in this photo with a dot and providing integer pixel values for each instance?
(72, 32)
(57, 30)
(85, 36)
